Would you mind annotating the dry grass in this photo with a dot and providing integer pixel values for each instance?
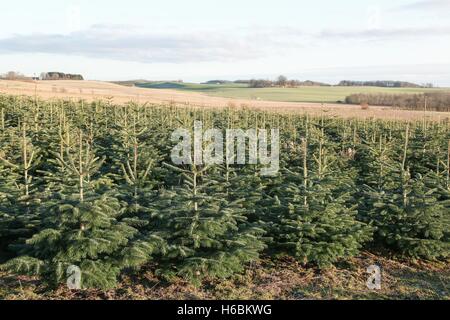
(96, 90)
(282, 278)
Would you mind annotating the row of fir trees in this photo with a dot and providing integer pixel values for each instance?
(92, 185)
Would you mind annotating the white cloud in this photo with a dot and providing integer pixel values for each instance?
(128, 43)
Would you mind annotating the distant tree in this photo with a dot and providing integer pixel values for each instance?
(13, 75)
(260, 83)
(384, 84)
(294, 83)
(282, 81)
(436, 101)
(60, 76)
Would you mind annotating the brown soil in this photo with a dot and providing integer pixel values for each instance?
(270, 279)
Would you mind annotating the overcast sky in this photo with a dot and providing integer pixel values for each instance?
(197, 40)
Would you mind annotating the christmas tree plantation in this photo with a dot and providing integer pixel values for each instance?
(92, 186)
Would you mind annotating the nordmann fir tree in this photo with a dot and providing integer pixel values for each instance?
(244, 183)
(409, 213)
(243, 189)
(79, 227)
(310, 216)
(18, 197)
(138, 191)
(207, 234)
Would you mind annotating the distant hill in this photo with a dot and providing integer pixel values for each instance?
(309, 83)
(217, 82)
(161, 85)
(178, 85)
(130, 83)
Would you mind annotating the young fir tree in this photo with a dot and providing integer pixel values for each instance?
(18, 197)
(138, 191)
(409, 214)
(423, 150)
(207, 234)
(246, 186)
(79, 227)
(310, 217)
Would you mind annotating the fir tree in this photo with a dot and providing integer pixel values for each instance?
(18, 199)
(408, 213)
(208, 235)
(79, 228)
(310, 216)
(138, 190)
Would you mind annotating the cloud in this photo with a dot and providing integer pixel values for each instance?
(387, 33)
(426, 4)
(130, 43)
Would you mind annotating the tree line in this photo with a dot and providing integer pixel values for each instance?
(434, 101)
(383, 84)
(282, 82)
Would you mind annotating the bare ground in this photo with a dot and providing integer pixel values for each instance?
(271, 279)
(96, 90)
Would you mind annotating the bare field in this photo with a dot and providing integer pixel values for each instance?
(97, 90)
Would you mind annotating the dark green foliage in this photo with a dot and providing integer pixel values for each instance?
(208, 235)
(417, 225)
(79, 225)
(85, 184)
(84, 234)
(311, 217)
(19, 200)
(410, 215)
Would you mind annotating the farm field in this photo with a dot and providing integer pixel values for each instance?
(331, 94)
(97, 90)
(92, 186)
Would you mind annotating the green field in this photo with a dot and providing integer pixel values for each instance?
(301, 94)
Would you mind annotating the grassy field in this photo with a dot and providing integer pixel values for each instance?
(301, 94)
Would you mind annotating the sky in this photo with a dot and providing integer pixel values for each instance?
(199, 40)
